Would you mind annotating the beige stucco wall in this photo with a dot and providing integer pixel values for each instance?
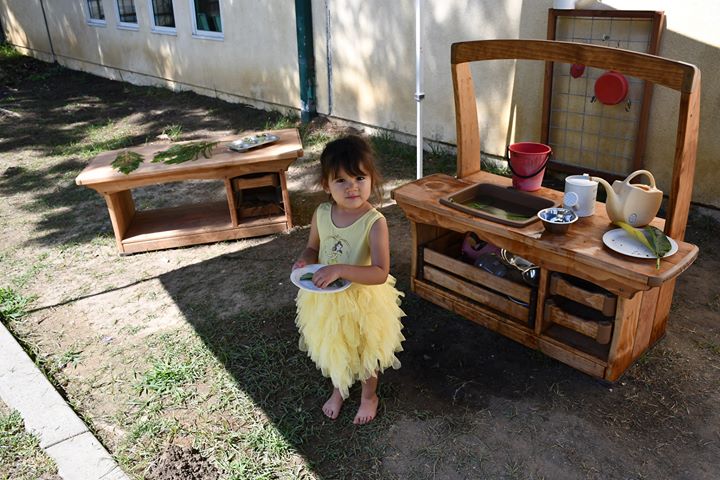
(370, 54)
(365, 63)
(256, 62)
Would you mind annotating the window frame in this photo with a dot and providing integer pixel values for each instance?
(95, 22)
(126, 25)
(159, 28)
(206, 34)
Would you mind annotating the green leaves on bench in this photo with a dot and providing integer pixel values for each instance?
(127, 161)
(184, 153)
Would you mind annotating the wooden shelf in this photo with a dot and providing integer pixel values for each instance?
(191, 225)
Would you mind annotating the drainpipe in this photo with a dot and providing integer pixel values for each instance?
(306, 59)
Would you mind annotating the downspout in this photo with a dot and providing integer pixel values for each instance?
(306, 59)
(47, 29)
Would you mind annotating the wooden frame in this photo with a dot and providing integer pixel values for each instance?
(657, 20)
(679, 76)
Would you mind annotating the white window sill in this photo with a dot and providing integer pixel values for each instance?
(128, 26)
(164, 31)
(94, 22)
(217, 36)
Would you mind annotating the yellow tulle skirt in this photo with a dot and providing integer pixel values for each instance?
(353, 334)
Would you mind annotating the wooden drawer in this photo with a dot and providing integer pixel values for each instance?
(441, 267)
(584, 293)
(598, 329)
(257, 194)
(255, 180)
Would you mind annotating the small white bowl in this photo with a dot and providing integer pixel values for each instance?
(557, 219)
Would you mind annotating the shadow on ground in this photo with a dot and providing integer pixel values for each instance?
(459, 385)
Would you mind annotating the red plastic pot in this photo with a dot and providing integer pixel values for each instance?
(611, 88)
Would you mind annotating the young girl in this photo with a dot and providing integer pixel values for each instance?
(353, 334)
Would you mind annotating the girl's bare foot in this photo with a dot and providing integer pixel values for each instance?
(331, 409)
(367, 411)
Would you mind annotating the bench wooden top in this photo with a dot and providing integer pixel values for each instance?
(580, 251)
(101, 176)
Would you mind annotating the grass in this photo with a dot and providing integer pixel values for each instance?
(8, 52)
(95, 139)
(173, 132)
(21, 457)
(13, 306)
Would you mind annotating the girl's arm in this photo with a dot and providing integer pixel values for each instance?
(373, 274)
(310, 254)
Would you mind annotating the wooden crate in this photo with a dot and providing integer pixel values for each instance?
(258, 195)
(584, 293)
(599, 330)
(441, 267)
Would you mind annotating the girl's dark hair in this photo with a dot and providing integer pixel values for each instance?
(354, 155)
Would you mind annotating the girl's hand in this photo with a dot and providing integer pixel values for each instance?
(326, 275)
(299, 264)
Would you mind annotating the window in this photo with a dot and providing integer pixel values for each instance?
(207, 21)
(96, 14)
(127, 18)
(163, 15)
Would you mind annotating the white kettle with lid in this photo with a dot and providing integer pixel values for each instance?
(580, 193)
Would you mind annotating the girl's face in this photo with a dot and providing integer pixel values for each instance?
(348, 191)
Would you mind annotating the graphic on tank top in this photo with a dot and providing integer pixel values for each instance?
(336, 249)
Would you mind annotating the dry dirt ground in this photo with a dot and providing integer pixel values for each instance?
(467, 403)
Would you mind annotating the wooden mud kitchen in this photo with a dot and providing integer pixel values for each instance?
(257, 202)
(593, 308)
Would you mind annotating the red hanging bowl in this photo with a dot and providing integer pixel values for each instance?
(577, 70)
(611, 88)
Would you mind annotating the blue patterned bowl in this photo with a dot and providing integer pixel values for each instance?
(557, 219)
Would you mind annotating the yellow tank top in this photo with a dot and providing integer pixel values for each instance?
(348, 245)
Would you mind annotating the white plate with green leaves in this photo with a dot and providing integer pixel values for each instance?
(302, 278)
(623, 242)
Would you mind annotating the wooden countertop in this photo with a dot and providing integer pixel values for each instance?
(101, 176)
(579, 252)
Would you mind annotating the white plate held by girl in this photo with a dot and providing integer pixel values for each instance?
(306, 284)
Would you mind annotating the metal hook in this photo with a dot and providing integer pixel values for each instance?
(628, 104)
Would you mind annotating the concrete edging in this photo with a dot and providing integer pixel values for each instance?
(63, 435)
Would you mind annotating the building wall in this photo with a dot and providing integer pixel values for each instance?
(365, 63)
(255, 63)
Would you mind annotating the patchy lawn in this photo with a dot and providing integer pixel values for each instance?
(184, 362)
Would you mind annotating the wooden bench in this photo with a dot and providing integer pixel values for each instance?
(201, 221)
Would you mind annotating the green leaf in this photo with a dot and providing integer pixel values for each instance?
(653, 238)
(185, 153)
(127, 161)
(659, 241)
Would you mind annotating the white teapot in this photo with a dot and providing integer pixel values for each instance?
(632, 203)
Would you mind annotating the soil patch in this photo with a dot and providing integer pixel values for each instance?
(181, 463)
